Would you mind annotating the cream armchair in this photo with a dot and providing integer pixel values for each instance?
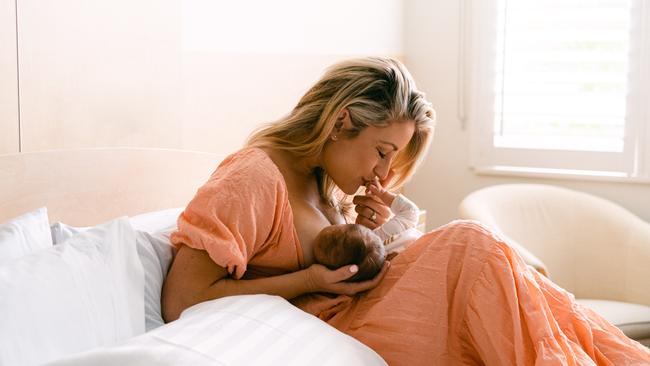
(592, 247)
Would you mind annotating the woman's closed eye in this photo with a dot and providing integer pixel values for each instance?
(381, 154)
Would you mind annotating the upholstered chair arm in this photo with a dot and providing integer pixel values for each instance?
(637, 268)
(524, 253)
(527, 256)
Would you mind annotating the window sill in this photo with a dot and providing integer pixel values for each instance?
(584, 175)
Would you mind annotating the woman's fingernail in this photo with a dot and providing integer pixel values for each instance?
(354, 268)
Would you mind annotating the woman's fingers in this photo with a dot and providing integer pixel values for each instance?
(323, 279)
(371, 210)
(333, 281)
(364, 211)
(368, 217)
(377, 206)
(344, 273)
(361, 220)
(356, 287)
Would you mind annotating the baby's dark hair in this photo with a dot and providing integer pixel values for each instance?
(341, 245)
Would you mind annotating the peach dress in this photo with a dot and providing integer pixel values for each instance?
(458, 295)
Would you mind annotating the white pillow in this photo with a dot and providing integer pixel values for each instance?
(80, 294)
(151, 222)
(60, 232)
(24, 234)
(236, 330)
(163, 220)
(155, 253)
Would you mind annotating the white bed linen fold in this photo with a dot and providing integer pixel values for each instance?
(236, 330)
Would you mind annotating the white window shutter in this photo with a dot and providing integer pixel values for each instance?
(559, 85)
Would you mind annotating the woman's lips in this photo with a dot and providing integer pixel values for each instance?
(367, 181)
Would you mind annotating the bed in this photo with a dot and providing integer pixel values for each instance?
(83, 253)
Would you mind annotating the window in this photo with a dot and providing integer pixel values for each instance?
(558, 86)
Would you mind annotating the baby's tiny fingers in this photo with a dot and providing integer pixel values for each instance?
(375, 189)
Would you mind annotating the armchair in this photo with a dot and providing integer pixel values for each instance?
(590, 246)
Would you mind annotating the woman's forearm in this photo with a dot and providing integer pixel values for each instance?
(194, 278)
(177, 297)
(288, 286)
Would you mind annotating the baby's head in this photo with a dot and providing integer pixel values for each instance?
(340, 245)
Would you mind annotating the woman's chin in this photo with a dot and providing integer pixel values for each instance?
(351, 191)
(352, 188)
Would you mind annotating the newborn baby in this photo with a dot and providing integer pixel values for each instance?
(340, 245)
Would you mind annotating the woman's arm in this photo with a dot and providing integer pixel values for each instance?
(194, 278)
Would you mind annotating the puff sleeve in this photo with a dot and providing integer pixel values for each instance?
(236, 213)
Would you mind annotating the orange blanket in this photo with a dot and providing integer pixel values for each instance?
(459, 295)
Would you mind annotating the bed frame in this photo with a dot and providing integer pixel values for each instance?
(84, 187)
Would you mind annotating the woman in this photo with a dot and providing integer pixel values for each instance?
(457, 295)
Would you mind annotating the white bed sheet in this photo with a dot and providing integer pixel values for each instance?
(236, 330)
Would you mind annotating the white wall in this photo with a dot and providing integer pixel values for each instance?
(99, 73)
(431, 54)
(190, 74)
(248, 62)
(8, 78)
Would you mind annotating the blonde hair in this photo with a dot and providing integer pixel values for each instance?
(376, 91)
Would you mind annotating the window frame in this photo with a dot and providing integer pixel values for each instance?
(479, 22)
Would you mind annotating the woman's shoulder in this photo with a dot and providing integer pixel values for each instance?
(249, 169)
(246, 156)
(249, 160)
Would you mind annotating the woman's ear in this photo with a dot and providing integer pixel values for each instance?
(343, 113)
(343, 120)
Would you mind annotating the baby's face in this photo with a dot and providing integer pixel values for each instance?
(340, 245)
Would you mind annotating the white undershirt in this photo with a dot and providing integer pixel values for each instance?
(406, 217)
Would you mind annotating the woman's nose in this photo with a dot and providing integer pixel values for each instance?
(381, 170)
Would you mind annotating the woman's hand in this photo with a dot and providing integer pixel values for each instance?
(371, 212)
(322, 279)
(373, 209)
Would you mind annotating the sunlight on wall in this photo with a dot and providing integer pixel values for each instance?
(190, 74)
(293, 26)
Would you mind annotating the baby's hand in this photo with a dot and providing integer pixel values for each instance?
(375, 189)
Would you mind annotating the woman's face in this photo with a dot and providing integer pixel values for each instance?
(353, 162)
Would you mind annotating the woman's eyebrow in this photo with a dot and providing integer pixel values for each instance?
(389, 143)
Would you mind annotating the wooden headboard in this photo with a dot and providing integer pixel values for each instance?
(88, 186)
